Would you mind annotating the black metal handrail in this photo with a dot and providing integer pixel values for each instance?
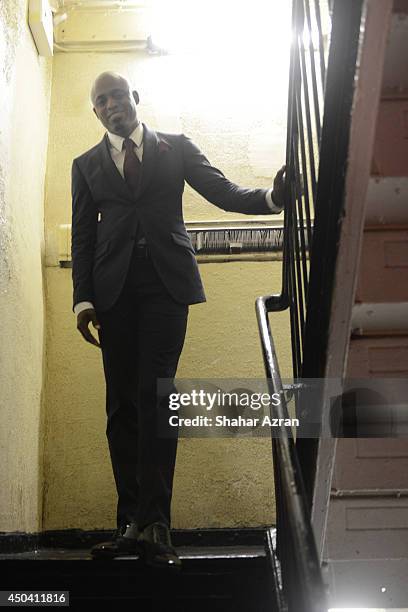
(302, 581)
(308, 134)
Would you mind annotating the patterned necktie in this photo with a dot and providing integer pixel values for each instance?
(131, 165)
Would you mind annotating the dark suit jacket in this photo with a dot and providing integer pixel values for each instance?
(101, 250)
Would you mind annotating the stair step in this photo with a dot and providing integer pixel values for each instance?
(235, 553)
(212, 578)
(223, 570)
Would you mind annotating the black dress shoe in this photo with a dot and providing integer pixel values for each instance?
(124, 542)
(158, 549)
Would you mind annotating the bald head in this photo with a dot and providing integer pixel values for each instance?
(114, 103)
(108, 77)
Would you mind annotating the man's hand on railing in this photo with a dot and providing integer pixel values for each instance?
(83, 319)
(278, 193)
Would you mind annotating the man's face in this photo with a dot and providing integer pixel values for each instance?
(115, 105)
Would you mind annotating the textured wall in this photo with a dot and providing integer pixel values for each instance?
(218, 482)
(24, 86)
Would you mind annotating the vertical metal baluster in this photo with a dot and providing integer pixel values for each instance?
(278, 493)
(293, 78)
(305, 194)
(294, 298)
(300, 254)
(313, 71)
(296, 361)
(321, 44)
(305, 186)
(309, 128)
(298, 258)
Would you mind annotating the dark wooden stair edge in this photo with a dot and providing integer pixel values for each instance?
(16, 542)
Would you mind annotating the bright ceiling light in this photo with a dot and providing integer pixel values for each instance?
(227, 58)
(222, 27)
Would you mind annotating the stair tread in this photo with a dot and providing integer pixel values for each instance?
(185, 552)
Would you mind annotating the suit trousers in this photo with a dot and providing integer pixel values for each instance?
(141, 338)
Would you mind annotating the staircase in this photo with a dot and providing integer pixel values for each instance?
(222, 570)
(333, 101)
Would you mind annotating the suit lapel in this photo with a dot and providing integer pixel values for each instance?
(150, 143)
(115, 178)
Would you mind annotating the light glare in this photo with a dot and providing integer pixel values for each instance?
(227, 27)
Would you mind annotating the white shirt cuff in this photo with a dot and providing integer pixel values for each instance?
(271, 203)
(82, 306)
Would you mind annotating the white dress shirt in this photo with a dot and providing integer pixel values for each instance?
(116, 144)
(118, 157)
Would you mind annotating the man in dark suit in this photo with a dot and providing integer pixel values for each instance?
(134, 275)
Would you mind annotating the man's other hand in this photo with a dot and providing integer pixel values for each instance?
(83, 319)
(278, 193)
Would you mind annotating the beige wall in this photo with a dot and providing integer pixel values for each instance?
(55, 470)
(25, 87)
(218, 482)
